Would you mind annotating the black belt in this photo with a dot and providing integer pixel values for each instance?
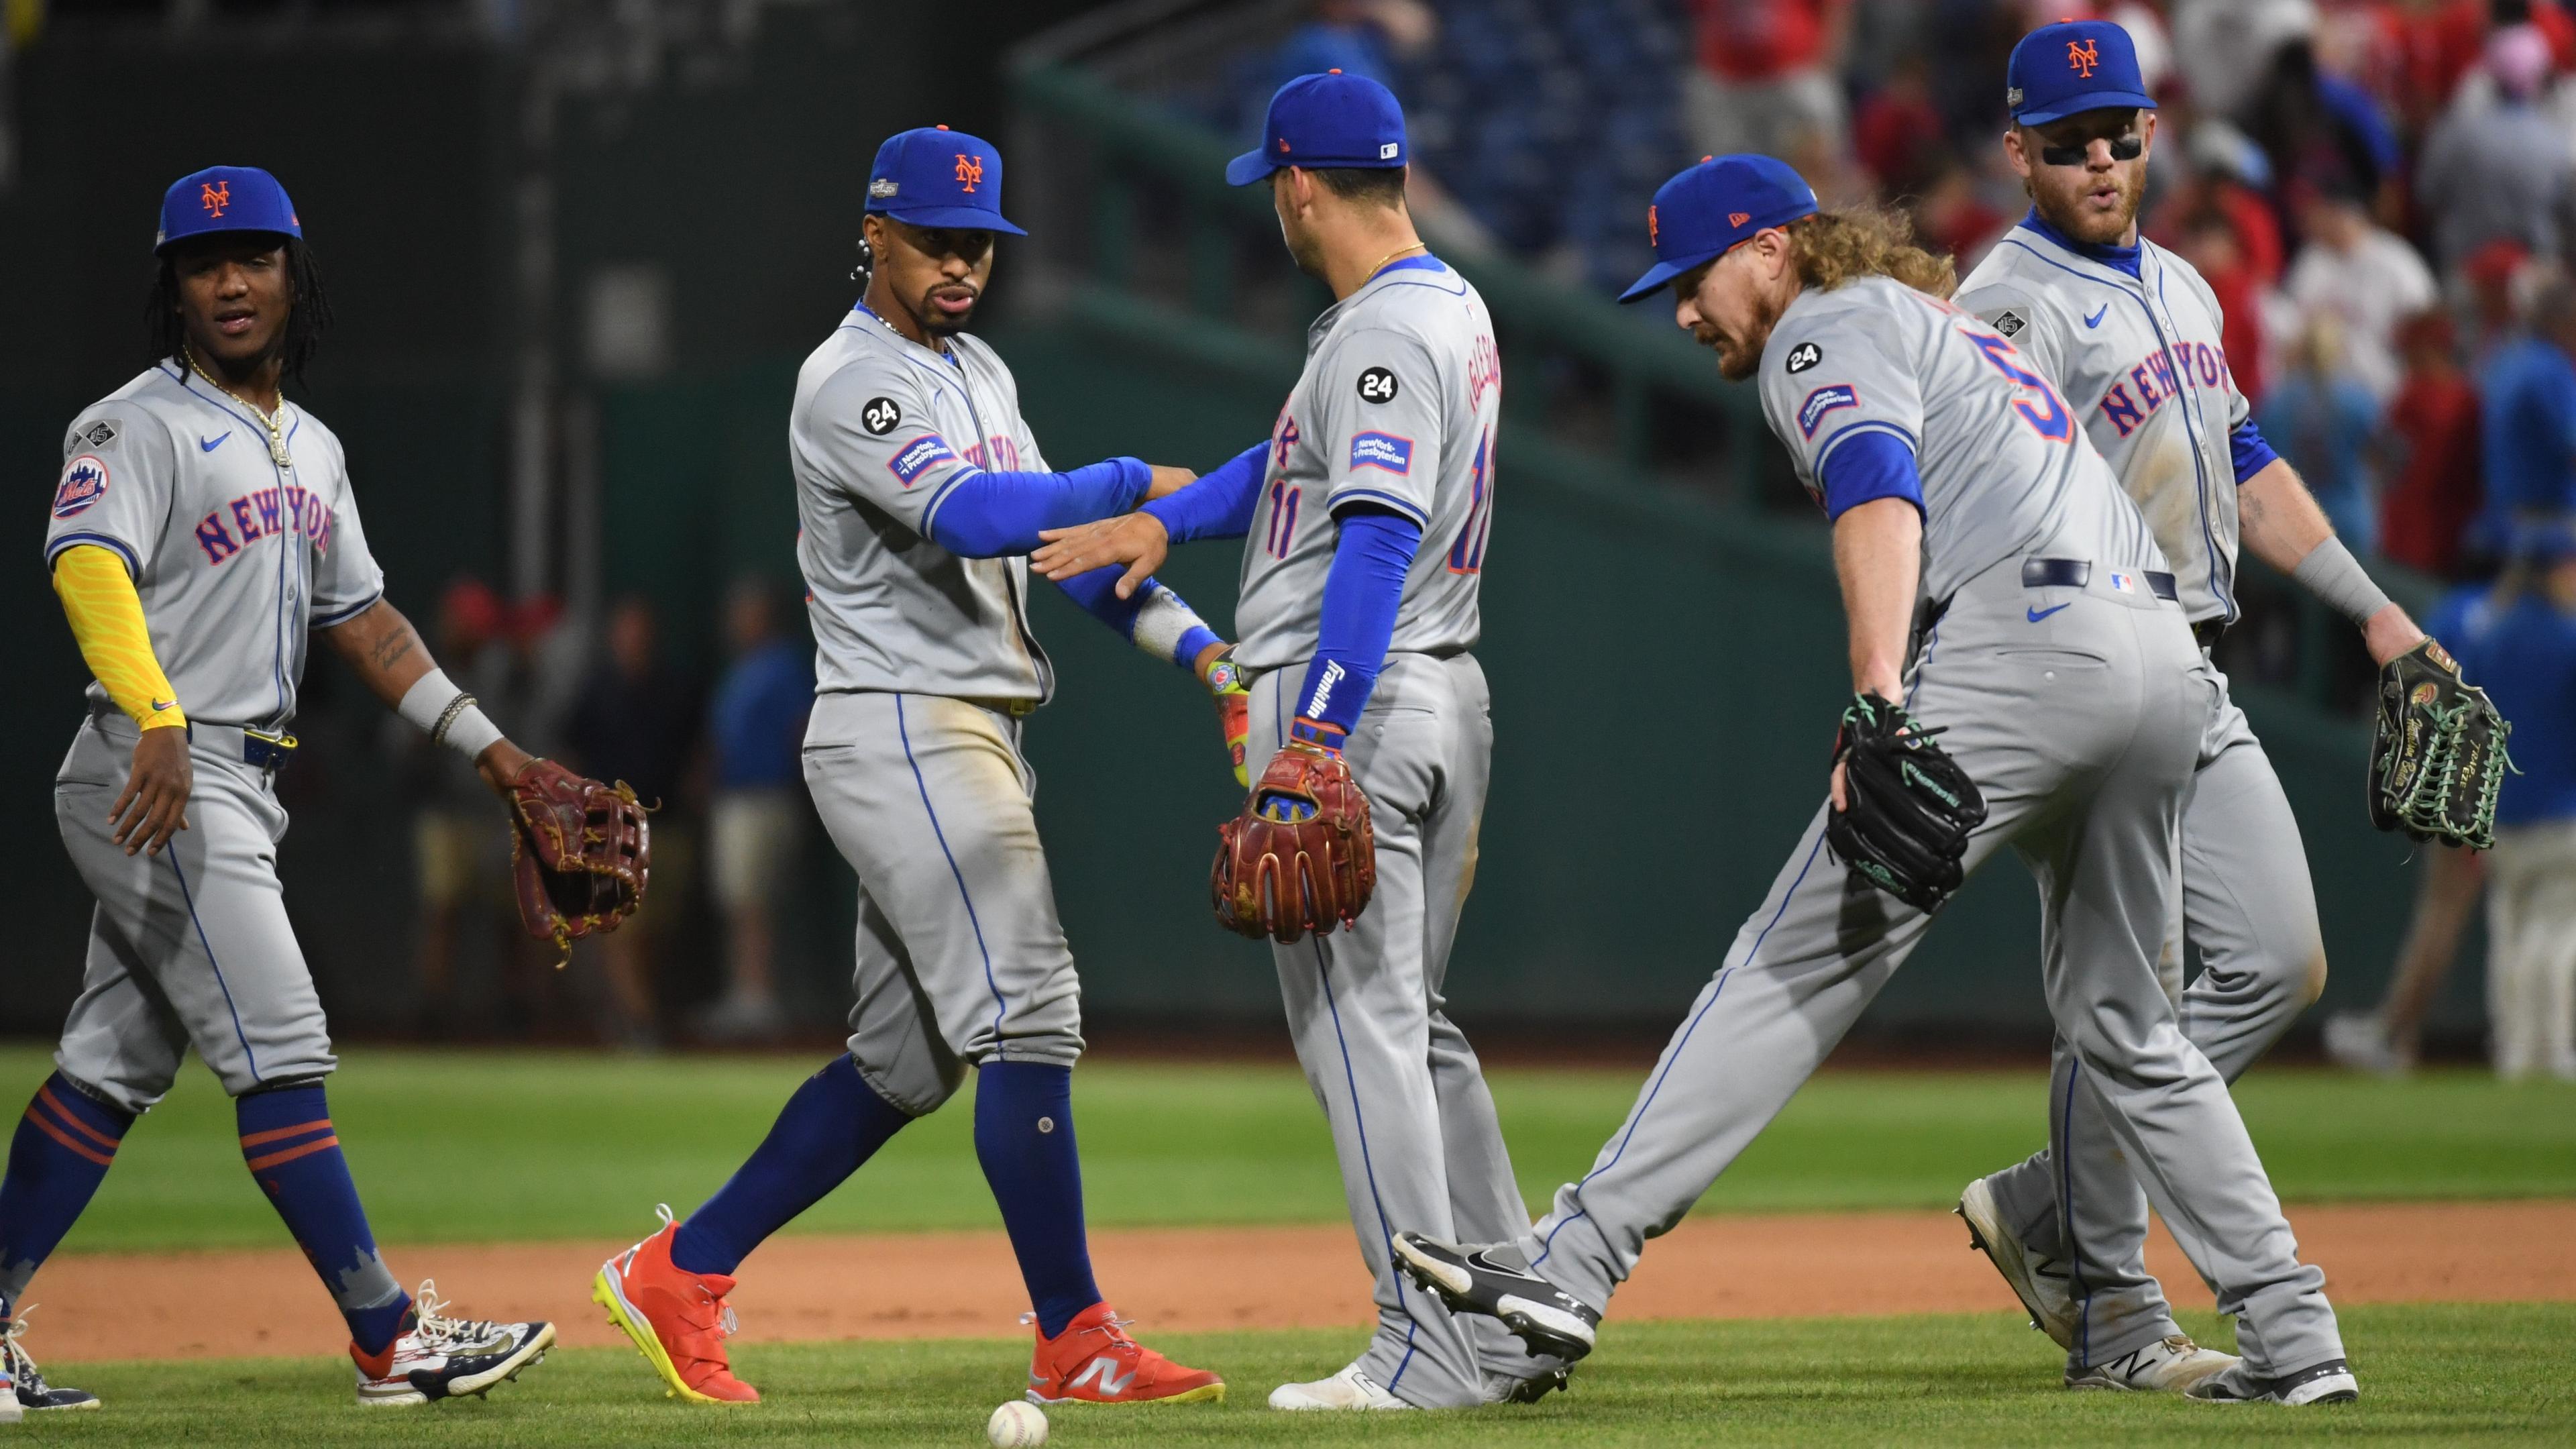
(2075, 573)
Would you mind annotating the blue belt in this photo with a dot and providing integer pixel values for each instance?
(2075, 573)
(261, 749)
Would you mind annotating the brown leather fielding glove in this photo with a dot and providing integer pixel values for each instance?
(580, 853)
(1301, 857)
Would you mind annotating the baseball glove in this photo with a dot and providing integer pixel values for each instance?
(1908, 807)
(1301, 857)
(2437, 751)
(580, 853)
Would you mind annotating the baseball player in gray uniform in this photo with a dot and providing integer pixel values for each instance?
(2053, 657)
(1358, 609)
(2129, 334)
(204, 531)
(920, 491)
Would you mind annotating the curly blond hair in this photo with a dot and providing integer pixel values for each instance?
(1832, 247)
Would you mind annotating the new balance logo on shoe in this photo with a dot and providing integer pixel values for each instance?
(1102, 1373)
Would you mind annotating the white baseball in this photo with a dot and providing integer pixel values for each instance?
(1016, 1425)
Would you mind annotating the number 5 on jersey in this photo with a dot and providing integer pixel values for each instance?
(2046, 412)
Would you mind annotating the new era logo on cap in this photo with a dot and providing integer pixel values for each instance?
(1738, 218)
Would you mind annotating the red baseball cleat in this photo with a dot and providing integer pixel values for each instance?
(1094, 1362)
(677, 1319)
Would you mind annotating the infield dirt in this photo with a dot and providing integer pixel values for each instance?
(945, 1285)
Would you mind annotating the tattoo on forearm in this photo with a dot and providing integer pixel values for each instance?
(390, 650)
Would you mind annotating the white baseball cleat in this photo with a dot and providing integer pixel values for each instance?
(439, 1357)
(1349, 1389)
(2039, 1282)
(2168, 1365)
(2358, 1040)
(2330, 1382)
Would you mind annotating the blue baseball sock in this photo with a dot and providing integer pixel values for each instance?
(1024, 1139)
(56, 1161)
(834, 1123)
(294, 1156)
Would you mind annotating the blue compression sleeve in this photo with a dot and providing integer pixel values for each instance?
(2253, 455)
(1097, 593)
(995, 515)
(1361, 592)
(1870, 466)
(1219, 504)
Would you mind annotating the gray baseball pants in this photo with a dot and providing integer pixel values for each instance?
(2082, 726)
(1413, 1124)
(189, 948)
(2249, 908)
(961, 959)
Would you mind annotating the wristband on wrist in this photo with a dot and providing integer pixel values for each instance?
(1317, 733)
(448, 715)
(2340, 583)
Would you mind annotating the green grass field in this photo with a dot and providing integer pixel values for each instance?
(2446, 1375)
(504, 1147)
(470, 1147)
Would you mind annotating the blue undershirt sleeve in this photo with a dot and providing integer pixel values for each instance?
(1097, 592)
(996, 515)
(1869, 466)
(1219, 504)
(1362, 590)
(2252, 454)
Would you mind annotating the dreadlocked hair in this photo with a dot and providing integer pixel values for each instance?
(1832, 247)
(304, 325)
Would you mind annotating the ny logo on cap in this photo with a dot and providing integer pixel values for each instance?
(1653, 235)
(1738, 218)
(2081, 57)
(970, 169)
(218, 195)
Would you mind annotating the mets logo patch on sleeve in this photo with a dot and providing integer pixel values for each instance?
(1826, 399)
(84, 483)
(1383, 451)
(918, 457)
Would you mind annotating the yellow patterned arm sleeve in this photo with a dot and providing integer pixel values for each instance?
(107, 619)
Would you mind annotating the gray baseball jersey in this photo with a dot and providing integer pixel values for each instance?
(882, 430)
(1990, 437)
(2140, 358)
(235, 557)
(1397, 407)
(2070, 694)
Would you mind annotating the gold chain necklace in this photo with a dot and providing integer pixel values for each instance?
(1399, 251)
(275, 422)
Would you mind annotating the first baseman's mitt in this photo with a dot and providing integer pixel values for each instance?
(580, 853)
(1908, 807)
(1301, 857)
(2437, 751)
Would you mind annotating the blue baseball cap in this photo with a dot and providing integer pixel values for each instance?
(224, 198)
(2073, 66)
(1704, 212)
(933, 176)
(1344, 122)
